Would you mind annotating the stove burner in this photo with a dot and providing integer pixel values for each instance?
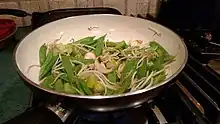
(102, 117)
(128, 116)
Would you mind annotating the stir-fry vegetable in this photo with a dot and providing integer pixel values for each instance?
(95, 66)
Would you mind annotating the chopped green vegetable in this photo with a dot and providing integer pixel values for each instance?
(99, 48)
(69, 68)
(85, 87)
(69, 89)
(78, 84)
(98, 88)
(47, 65)
(121, 45)
(82, 60)
(42, 54)
(111, 44)
(142, 71)
(99, 40)
(125, 84)
(86, 40)
(46, 83)
(92, 66)
(112, 77)
(64, 77)
(159, 78)
(91, 81)
(77, 68)
(59, 86)
(158, 48)
(129, 66)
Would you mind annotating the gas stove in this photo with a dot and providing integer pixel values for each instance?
(192, 99)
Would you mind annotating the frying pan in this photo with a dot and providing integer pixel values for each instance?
(121, 27)
(118, 28)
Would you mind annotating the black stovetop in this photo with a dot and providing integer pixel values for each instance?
(192, 99)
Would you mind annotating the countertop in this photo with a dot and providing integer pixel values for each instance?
(14, 95)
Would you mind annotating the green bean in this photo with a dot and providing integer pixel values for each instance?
(58, 86)
(69, 89)
(42, 54)
(48, 64)
(87, 40)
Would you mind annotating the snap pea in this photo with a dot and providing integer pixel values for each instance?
(99, 48)
(111, 44)
(46, 83)
(78, 86)
(121, 45)
(85, 87)
(77, 52)
(47, 65)
(143, 69)
(81, 59)
(159, 78)
(69, 68)
(99, 45)
(58, 86)
(78, 68)
(112, 77)
(168, 59)
(69, 89)
(125, 84)
(157, 64)
(64, 77)
(42, 54)
(99, 40)
(129, 66)
(87, 40)
(160, 50)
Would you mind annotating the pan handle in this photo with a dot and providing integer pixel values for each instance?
(14, 12)
(40, 115)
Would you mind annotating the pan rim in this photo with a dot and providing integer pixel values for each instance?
(109, 96)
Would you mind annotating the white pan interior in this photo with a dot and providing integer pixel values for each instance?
(118, 28)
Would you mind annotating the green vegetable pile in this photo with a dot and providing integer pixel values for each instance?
(96, 66)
